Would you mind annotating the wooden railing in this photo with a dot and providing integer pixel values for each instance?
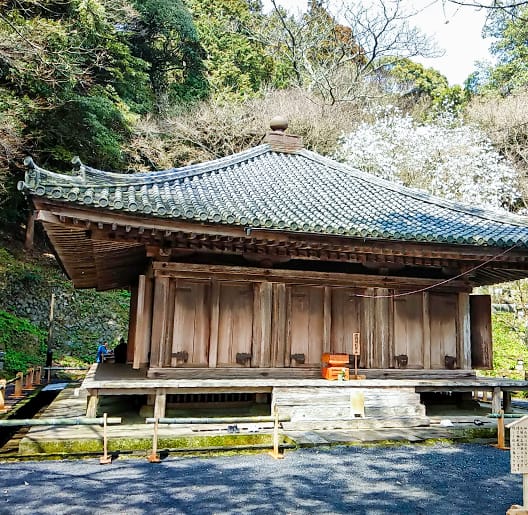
(33, 378)
(77, 421)
(275, 418)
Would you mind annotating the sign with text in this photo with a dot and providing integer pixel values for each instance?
(356, 346)
(519, 446)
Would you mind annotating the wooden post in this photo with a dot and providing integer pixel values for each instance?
(154, 456)
(30, 231)
(506, 402)
(38, 376)
(501, 440)
(496, 400)
(525, 491)
(275, 453)
(160, 403)
(29, 379)
(105, 459)
(18, 386)
(3, 384)
(93, 400)
(50, 332)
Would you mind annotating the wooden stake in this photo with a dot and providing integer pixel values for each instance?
(275, 452)
(501, 440)
(105, 459)
(154, 456)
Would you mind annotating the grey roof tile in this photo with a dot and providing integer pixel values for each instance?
(299, 191)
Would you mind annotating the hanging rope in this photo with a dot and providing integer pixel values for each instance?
(426, 288)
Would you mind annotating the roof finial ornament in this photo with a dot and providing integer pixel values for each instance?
(278, 140)
(278, 123)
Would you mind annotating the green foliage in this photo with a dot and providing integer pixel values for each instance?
(164, 36)
(511, 34)
(237, 64)
(510, 343)
(23, 343)
(419, 83)
(92, 127)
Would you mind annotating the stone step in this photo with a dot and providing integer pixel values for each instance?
(355, 423)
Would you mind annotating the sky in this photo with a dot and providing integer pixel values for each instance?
(456, 30)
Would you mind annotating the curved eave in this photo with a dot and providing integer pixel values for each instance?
(99, 249)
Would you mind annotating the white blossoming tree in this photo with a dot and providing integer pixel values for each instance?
(446, 158)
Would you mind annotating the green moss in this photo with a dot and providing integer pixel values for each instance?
(31, 446)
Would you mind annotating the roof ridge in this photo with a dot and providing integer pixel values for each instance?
(88, 175)
(178, 173)
(488, 214)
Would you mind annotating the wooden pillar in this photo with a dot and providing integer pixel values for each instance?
(496, 400)
(279, 328)
(506, 402)
(327, 318)
(143, 322)
(215, 324)
(464, 332)
(426, 317)
(160, 403)
(93, 401)
(159, 322)
(132, 324)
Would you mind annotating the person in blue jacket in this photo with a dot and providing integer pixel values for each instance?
(101, 351)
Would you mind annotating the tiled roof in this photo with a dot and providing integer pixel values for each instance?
(298, 191)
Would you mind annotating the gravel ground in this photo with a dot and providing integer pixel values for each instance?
(440, 479)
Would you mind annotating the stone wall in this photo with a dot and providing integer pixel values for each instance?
(82, 318)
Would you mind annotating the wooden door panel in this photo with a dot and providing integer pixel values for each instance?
(190, 335)
(481, 337)
(346, 320)
(235, 326)
(408, 329)
(443, 319)
(306, 324)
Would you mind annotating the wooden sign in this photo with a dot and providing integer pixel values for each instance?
(356, 346)
(519, 446)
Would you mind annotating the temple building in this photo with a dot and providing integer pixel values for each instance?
(244, 270)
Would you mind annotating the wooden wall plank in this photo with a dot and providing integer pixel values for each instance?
(215, 320)
(481, 337)
(306, 332)
(444, 321)
(383, 329)
(235, 330)
(368, 324)
(408, 329)
(262, 325)
(191, 323)
(346, 319)
(426, 330)
(279, 325)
